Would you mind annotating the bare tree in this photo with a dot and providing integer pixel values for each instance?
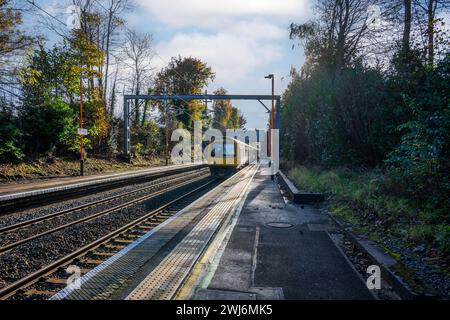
(420, 21)
(138, 56)
(112, 22)
(100, 23)
(407, 26)
(113, 95)
(337, 33)
(13, 42)
(428, 11)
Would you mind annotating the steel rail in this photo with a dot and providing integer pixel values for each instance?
(27, 223)
(13, 202)
(95, 215)
(32, 278)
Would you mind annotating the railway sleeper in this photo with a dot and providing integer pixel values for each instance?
(103, 254)
(165, 214)
(56, 281)
(132, 235)
(35, 292)
(91, 261)
(127, 241)
(114, 246)
(145, 228)
(150, 224)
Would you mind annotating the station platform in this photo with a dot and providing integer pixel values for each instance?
(242, 240)
(7, 189)
(280, 250)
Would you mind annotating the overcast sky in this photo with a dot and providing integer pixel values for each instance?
(242, 40)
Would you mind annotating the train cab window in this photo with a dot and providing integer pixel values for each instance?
(229, 150)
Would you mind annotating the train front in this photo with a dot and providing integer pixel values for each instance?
(226, 158)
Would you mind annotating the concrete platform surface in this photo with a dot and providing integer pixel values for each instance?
(154, 265)
(280, 250)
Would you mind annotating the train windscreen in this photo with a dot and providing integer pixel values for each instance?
(229, 150)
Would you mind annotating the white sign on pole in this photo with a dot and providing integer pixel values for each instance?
(82, 131)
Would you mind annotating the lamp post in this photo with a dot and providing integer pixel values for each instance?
(272, 120)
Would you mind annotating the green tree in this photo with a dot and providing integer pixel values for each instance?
(347, 110)
(10, 148)
(148, 137)
(85, 47)
(185, 76)
(222, 111)
(11, 37)
(237, 120)
(225, 115)
(421, 161)
(48, 121)
(12, 42)
(48, 124)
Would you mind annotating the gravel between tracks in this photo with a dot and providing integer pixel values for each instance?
(31, 256)
(22, 233)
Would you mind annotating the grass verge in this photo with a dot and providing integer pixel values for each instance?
(402, 227)
(360, 199)
(43, 168)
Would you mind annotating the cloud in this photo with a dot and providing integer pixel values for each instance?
(233, 36)
(241, 40)
(232, 57)
(257, 29)
(217, 13)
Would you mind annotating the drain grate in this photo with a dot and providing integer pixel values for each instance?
(280, 225)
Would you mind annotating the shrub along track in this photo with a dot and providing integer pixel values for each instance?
(43, 254)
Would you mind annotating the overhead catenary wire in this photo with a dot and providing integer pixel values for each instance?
(45, 11)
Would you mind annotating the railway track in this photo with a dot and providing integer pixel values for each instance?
(156, 189)
(12, 203)
(49, 279)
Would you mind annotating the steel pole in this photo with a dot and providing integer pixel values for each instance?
(81, 126)
(167, 128)
(272, 125)
(124, 148)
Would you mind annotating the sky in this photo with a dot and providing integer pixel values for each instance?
(241, 40)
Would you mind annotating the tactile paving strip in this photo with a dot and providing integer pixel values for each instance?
(110, 276)
(163, 282)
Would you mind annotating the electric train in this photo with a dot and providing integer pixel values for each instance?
(226, 157)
